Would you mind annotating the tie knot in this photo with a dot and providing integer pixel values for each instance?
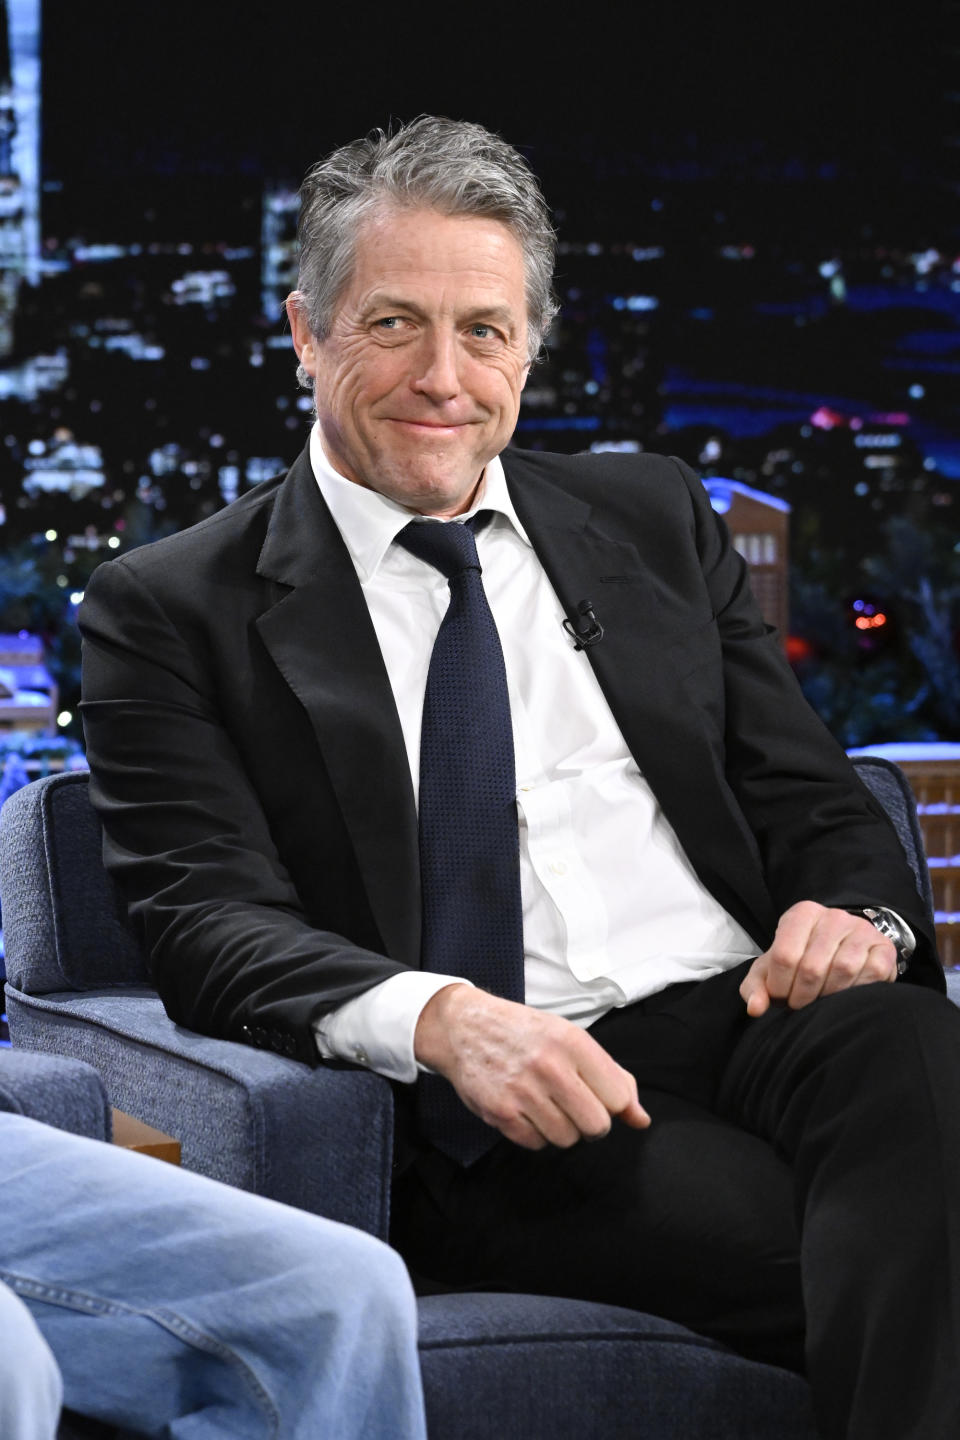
(449, 546)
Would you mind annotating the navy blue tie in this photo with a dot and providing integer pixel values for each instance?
(469, 847)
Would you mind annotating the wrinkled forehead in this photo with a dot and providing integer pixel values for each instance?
(427, 252)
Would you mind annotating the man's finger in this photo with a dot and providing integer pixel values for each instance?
(614, 1087)
(753, 988)
(634, 1115)
(554, 1124)
(877, 964)
(798, 961)
(566, 1112)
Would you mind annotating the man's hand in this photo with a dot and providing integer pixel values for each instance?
(817, 951)
(538, 1079)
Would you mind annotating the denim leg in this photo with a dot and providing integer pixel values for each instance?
(180, 1307)
(30, 1384)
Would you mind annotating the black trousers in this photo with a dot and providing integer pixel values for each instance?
(796, 1196)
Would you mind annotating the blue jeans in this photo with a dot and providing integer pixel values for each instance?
(176, 1306)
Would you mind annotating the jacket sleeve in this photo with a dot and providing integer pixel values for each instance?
(185, 835)
(820, 833)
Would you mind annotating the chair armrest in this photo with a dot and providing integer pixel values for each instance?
(321, 1139)
(61, 1092)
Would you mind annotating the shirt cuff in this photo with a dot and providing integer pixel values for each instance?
(376, 1028)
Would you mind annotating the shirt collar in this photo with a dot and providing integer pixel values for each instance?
(369, 522)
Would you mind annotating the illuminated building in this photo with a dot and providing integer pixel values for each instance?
(278, 247)
(28, 692)
(19, 156)
(63, 467)
(759, 527)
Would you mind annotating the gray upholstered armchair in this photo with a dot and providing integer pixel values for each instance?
(56, 1090)
(77, 985)
(494, 1365)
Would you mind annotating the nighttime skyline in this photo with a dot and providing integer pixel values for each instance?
(759, 267)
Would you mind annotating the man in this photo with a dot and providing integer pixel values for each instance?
(165, 1303)
(591, 860)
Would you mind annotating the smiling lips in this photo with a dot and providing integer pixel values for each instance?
(433, 427)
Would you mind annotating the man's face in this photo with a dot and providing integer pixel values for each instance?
(418, 384)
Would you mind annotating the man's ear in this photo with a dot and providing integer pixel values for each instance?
(303, 341)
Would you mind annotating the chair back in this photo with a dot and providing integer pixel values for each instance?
(888, 784)
(65, 923)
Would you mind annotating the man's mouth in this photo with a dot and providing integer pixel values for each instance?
(431, 427)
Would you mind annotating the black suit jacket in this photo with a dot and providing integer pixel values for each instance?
(249, 767)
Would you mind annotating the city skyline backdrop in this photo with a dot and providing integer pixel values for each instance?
(759, 268)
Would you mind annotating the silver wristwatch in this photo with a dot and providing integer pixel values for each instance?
(891, 927)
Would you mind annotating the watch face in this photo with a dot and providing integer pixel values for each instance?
(891, 931)
(890, 927)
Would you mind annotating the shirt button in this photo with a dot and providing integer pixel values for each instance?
(558, 867)
(361, 1056)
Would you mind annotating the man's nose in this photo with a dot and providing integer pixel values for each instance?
(437, 373)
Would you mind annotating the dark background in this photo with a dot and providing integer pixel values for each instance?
(263, 89)
(783, 136)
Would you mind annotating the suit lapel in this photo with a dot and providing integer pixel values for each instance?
(643, 684)
(321, 639)
(320, 636)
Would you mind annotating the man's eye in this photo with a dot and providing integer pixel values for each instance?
(483, 332)
(389, 322)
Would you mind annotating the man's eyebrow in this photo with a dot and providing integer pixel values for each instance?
(387, 304)
(502, 314)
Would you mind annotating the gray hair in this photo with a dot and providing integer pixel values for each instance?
(451, 166)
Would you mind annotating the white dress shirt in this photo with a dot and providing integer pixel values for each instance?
(612, 909)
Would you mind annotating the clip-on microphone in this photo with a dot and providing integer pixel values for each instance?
(582, 634)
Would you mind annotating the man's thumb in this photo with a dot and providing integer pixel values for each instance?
(754, 988)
